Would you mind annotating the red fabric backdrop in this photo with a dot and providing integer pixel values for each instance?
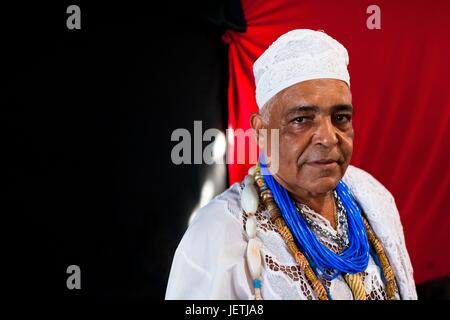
(400, 85)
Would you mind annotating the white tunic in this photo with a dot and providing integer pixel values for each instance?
(210, 263)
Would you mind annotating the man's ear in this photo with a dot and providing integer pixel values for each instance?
(258, 125)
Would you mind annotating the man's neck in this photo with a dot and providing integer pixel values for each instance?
(322, 203)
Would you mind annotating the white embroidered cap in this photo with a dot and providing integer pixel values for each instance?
(297, 56)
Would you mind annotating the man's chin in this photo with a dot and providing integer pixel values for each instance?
(323, 185)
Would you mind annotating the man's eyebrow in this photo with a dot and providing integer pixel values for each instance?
(343, 107)
(303, 108)
(313, 108)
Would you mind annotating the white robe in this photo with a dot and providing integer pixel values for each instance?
(210, 263)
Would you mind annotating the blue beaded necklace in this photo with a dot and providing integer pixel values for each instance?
(353, 259)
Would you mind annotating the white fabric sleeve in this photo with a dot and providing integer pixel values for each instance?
(209, 262)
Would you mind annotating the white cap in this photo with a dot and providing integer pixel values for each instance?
(297, 56)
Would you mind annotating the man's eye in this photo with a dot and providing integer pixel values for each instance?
(343, 117)
(300, 120)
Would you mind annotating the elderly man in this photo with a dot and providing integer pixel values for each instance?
(313, 226)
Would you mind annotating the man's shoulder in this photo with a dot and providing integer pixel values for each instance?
(224, 206)
(219, 219)
(357, 178)
(376, 201)
(215, 234)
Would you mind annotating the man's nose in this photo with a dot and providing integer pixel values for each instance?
(326, 134)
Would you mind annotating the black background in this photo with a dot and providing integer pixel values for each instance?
(88, 116)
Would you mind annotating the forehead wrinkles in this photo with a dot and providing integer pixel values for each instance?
(319, 94)
(322, 94)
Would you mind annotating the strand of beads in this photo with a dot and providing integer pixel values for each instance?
(391, 286)
(356, 285)
(277, 219)
(249, 203)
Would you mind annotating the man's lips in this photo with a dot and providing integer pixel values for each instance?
(323, 163)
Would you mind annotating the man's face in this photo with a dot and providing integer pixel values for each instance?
(314, 119)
